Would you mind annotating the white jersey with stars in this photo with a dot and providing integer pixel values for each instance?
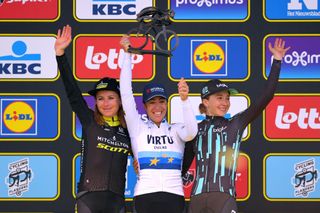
(159, 150)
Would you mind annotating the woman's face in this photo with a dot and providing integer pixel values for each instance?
(156, 109)
(218, 103)
(108, 102)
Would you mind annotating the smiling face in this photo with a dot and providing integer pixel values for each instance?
(108, 102)
(156, 109)
(218, 103)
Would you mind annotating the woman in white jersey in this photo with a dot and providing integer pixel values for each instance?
(157, 146)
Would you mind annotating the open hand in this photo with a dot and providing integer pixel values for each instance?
(63, 40)
(278, 49)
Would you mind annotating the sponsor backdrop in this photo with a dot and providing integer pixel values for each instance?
(279, 165)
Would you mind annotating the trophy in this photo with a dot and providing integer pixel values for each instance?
(153, 24)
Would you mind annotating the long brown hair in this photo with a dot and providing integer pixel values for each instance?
(98, 117)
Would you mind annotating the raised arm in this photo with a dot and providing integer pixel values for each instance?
(188, 130)
(278, 50)
(128, 103)
(78, 104)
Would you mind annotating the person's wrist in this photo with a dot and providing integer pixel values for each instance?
(59, 52)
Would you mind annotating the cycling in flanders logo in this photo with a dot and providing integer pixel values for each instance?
(19, 177)
(305, 178)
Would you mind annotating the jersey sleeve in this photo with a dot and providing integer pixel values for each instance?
(189, 128)
(188, 156)
(76, 100)
(128, 103)
(268, 92)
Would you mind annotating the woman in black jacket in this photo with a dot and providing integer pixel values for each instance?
(105, 140)
(217, 144)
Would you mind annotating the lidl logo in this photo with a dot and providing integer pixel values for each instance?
(20, 116)
(109, 9)
(209, 57)
(206, 57)
(25, 117)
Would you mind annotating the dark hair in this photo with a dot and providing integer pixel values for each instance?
(202, 109)
(98, 117)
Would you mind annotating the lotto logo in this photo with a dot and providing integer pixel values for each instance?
(304, 118)
(293, 117)
(97, 57)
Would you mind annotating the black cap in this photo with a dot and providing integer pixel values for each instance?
(105, 84)
(153, 90)
(214, 86)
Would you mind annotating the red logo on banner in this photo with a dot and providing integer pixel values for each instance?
(29, 9)
(98, 57)
(242, 182)
(289, 117)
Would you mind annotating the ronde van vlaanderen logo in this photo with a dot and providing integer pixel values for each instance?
(209, 57)
(19, 117)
